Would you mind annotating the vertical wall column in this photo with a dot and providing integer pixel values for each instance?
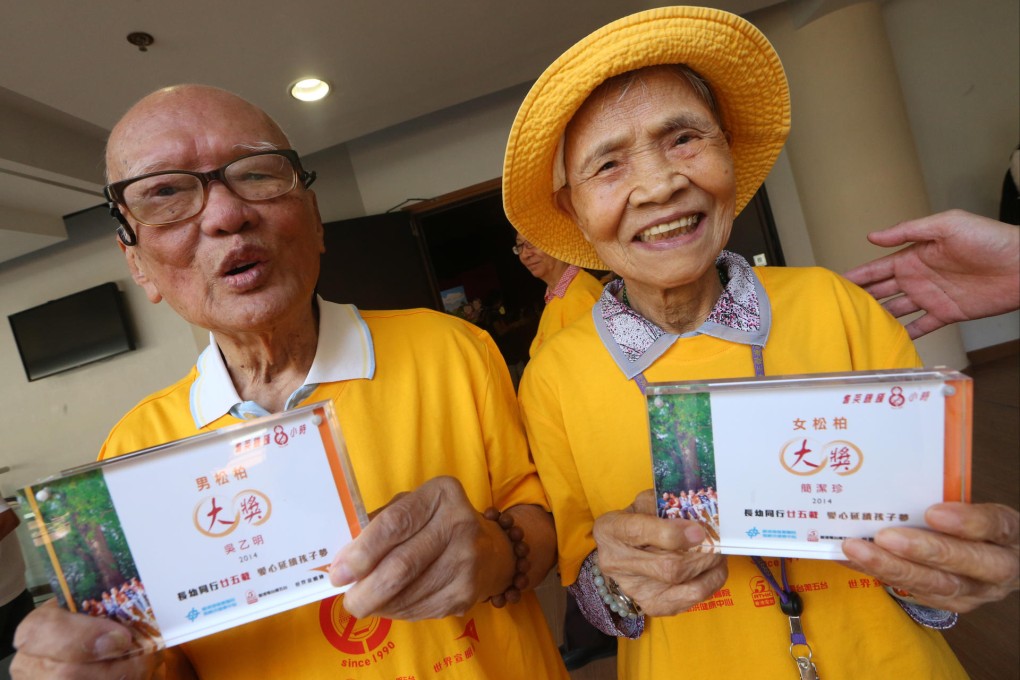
(851, 149)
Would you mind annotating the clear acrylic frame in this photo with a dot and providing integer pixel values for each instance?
(789, 466)
(199, 535)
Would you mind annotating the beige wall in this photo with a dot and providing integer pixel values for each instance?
(435, 154)
(851, 149)
(60, 421)
(958, 64)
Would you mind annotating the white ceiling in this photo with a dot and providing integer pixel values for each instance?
(67, 73)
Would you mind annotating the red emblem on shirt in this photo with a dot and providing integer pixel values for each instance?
(347, 633)
(469, 631)
(762, 594)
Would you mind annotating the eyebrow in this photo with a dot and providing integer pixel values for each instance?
(158, 165)
(164, 165)
(688, 120)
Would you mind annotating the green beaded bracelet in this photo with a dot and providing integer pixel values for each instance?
(618, 603)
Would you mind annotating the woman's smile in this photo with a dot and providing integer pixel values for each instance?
(668, 230)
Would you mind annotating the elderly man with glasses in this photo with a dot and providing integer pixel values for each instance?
(570, 291)
(216, 218)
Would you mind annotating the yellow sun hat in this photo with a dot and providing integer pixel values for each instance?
(738, 62)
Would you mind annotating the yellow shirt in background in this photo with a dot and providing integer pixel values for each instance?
(577, 300)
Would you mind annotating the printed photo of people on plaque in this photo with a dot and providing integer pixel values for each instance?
(683, 460)
(93, 570)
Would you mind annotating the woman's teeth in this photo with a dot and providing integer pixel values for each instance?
(660, 232)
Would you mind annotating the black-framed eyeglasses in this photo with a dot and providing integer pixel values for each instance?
(159, 199)
(521, 247)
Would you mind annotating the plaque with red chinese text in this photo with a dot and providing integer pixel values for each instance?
(790, 466)
(206, 533)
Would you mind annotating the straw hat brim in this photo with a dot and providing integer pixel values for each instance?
(737, 61)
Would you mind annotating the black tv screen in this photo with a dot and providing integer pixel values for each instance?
(72, 331)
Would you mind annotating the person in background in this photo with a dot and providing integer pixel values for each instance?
(570, 291)
(958, 267)
(633, 152)
(15, 600)
(216, 219)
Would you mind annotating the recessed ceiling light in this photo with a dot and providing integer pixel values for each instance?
(309, 89)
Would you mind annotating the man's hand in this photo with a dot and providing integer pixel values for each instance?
(971, 556)
(430, 554)
(959, 267)
(54, 643)
(649, 558)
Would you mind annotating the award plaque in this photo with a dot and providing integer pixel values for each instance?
(206, 533)
(790, 466)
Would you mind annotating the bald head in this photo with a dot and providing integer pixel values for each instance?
(184, 121)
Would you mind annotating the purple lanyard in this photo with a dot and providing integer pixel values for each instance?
(792, 605)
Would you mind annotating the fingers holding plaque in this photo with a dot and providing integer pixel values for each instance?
(791, 466)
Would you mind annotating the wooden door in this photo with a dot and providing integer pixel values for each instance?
(377, 262)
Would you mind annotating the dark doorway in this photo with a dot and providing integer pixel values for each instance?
(452, 254)
(754, 233)
(470, 245)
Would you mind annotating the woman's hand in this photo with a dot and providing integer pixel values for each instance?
(970, 556)
(650, 558)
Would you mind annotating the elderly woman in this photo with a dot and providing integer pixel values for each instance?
(633, 152)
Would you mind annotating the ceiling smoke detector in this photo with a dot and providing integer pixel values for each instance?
(141, 40)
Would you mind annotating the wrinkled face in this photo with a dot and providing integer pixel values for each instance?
(650, 180)
(537, 261)
(238, 265)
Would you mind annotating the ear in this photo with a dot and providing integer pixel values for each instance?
(565, 203)
(138, 274)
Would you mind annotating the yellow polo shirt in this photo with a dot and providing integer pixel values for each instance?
(587, 425)
(418, 394)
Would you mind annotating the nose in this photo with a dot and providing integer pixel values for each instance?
(225, 211)
(656, 179)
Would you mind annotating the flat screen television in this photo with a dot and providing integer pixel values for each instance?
(72, 331)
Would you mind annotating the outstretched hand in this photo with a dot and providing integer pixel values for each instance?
(970, 556)
(651, 558)
(958, 267)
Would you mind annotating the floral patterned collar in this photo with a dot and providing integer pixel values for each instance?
(742, 314)
(561, 286)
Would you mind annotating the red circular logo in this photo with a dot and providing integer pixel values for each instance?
(347, 633)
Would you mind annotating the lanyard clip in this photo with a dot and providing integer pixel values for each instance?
(805, 667)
